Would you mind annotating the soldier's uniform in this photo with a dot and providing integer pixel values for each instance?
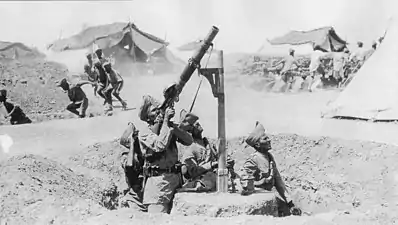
(201, 174)
(161, 169)
(17, 115)
(134, 172)
(103, 81)
(76, 96)
(115, 83)
(260, 170)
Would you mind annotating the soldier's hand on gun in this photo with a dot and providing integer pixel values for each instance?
(169, 114)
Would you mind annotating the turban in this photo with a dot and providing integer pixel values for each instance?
(190, 118)
(256, 135)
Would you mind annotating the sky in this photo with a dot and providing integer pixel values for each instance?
(244, 24)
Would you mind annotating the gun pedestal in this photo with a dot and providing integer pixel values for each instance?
(215, 76)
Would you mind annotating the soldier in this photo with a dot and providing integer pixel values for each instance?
(115, 83)
(92, 76)
(259, 170)
(133, 170)
(286, 72)
(77, 97)
(316, 67)
(162, 170)
(17, 116)
(103, 80)
(339, 61)
(200, 158)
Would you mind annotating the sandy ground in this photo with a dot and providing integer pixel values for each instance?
(341, 181)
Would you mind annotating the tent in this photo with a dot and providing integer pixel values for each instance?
(325, 37)
(373, 92)
(15, 50)
(124, 41)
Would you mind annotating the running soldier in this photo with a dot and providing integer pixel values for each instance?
(115, 83)
(92, 74)
(287, 74)
(17, 116)
(162, 170)
(103, 80)
(260, 170)
(317, 70)
(77, 97)
(340, 59)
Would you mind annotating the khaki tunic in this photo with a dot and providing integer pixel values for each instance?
(161, 189)
(257, 167)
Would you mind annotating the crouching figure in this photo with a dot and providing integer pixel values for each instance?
(259, 169)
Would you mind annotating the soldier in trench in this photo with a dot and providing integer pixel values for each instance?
(260, 170)
(200, 159)
(162, 170)
(14, 112)
(133, 171)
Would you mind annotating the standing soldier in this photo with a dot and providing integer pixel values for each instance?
(132, 164)
(115, 83)
(77, 97)
(259, 170)
(162, 171)
(17, 116)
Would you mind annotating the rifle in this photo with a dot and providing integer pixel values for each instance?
(171, 93)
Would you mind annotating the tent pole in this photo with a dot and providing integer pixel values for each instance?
(132, 50)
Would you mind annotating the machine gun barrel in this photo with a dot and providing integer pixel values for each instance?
(193, 63)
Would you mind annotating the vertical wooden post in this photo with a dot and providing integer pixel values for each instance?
(222, 182)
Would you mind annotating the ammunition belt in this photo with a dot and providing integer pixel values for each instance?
(153, 171)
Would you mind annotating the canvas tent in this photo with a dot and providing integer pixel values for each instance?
(373, 92)
(325, 37)
(15, 50)
(124, 41)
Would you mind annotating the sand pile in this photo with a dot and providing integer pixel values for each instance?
(334, 181)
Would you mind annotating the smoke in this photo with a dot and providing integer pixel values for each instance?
(74, 60)
(5, 143)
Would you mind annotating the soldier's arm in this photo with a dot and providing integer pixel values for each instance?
(194, 170)
(161, 142)
(183, 136)
(81, 83)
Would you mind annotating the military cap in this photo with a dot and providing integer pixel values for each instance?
(188, 117)
(62, 83)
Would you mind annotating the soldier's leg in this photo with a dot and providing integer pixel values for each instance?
(73, 108)
(115, 92)
(159, 192)
(133, 197)
(83, 108)
(100, 90)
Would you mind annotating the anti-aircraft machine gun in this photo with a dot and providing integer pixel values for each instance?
(215, 76)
